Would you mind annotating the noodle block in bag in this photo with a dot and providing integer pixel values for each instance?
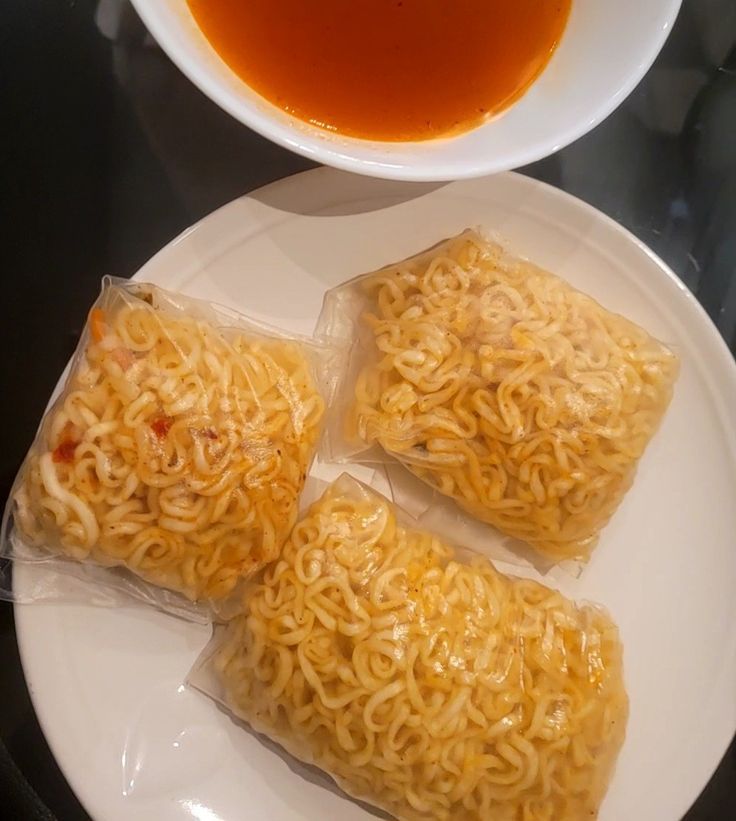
(433, 688)
(502, 387)
(177, 449)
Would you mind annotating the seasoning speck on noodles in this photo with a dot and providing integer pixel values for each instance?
(432, 688)
(177, 450)
(506, 389)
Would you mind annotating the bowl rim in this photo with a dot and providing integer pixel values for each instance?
(311, 147)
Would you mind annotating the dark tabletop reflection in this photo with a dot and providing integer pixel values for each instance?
(108, 152)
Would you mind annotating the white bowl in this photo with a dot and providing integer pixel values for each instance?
(606, 49)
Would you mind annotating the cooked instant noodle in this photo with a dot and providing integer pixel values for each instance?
(505, 388)
(432, 688)
(177, 449)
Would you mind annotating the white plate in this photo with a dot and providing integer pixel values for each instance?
(106, 683)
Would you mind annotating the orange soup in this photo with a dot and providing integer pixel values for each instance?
(386, 69)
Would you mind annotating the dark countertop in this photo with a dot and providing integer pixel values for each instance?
(108, 152)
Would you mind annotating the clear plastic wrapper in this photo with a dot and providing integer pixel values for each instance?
(499, 385)
(423, 681)
(175, 453)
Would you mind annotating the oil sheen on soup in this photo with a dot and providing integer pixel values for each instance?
(386, 69)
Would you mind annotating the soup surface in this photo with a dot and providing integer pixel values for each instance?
(386, 69)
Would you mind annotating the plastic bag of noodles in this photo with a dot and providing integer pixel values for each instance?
(175, 453)
(422, 680)
(499, 385)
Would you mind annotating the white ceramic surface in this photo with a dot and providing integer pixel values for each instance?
(607, 48)
(107, 683)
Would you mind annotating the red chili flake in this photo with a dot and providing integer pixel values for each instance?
(161, 425)
(210, 434)
(64, 452)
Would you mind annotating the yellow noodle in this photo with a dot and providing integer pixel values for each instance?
(176, 450)
(432, 688)
(503, 387)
